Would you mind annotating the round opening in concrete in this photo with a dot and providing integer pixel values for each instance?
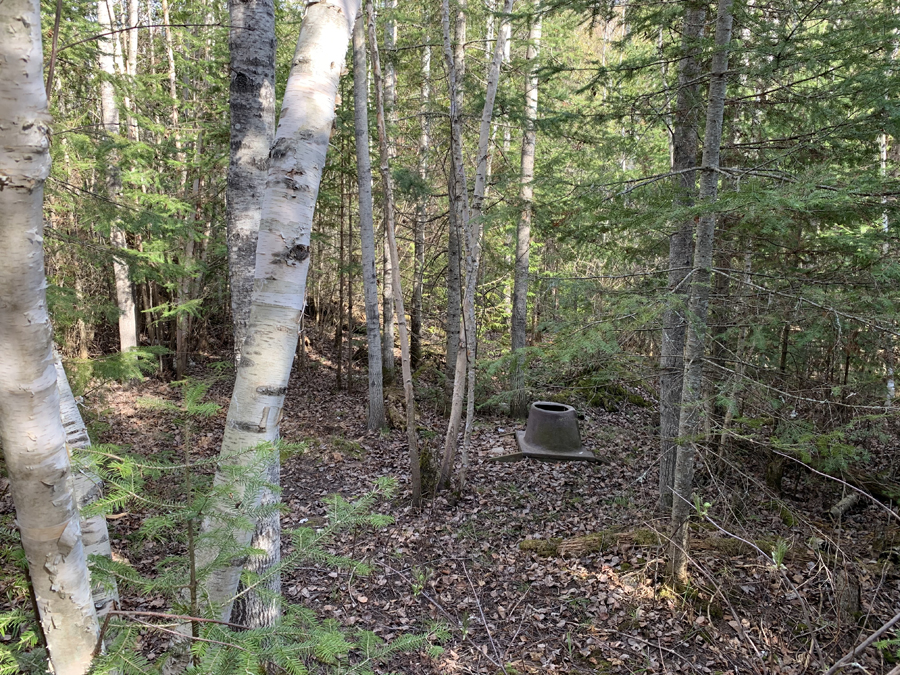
(552, 407)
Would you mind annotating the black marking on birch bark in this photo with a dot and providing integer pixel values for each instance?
(245, 362)
(280, 148)
(292, 255)
(271, 391)
(250, 427)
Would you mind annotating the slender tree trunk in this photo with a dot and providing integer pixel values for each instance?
(282, 263)
(421, 214)
(454, 292)
(454, 253)
(366, 227)
(519, 403)
(387, 183)
(459, 206)
(690, 426)
(339, 328)
(471, 222)
(87, 488)
(31, 430)
(390, 100)
(251, 40)
(684, 157)
(109, 114)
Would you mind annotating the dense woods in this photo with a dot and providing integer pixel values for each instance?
(283, 280)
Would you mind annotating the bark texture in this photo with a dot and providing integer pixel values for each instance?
(376, 418)
(86, 486)
(109, 116)
(684, 157)
(389, 224)
(31, 430)
(519, 402)
(459, 207)
(252, 102)
(690, 426)
(282, 262)
(470, 221)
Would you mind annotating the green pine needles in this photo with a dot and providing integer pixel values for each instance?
(174, 494)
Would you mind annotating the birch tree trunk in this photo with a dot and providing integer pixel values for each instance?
(109, 116)
(390, 96)
(282, 262)
(519, 403)
(87, 488)
(252, 102)
(690, 427)
(31, 430)
(471, 223)
(366, 225)
(387, 183)
(684, 157)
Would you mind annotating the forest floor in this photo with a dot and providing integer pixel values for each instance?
(507, 566)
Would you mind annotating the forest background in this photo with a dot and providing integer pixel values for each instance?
(790, 186)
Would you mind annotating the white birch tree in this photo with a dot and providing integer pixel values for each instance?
(282, 262)
(109, 117)
(471, 222)
(31, 430)
(251, 40)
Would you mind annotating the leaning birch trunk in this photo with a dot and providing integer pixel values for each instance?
(109, 116)
(87, 487)
(251, 40)
(415, 318)
(366, 225)
(684, 158)
(31, 431)
(472, 229)
(690, 426)
(459, 206)
(282, 262)
(519, 403)
(387, 183)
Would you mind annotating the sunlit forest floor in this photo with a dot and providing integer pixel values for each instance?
(549, 568)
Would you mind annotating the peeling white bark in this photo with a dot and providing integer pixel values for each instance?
(282, 261)
(87, 487)
(31, 430)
